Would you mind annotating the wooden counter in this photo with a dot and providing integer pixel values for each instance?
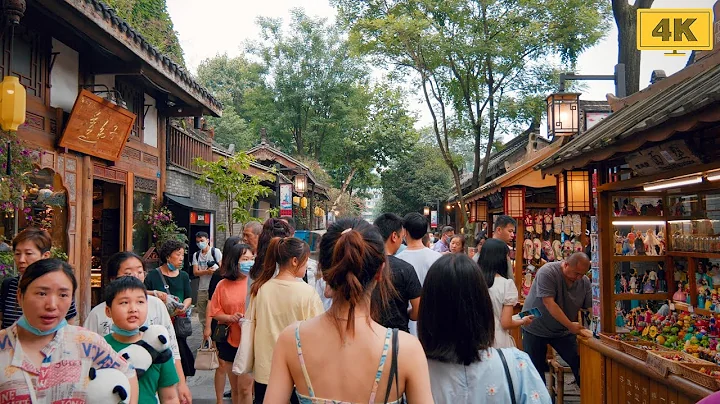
(609, 376)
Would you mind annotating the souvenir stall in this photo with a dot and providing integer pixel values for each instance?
(657, 163)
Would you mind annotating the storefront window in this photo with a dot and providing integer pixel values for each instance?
(142, 237)
(45, 206)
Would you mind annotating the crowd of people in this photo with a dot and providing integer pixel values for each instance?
(388, 313)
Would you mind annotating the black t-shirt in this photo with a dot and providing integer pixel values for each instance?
(407, 285)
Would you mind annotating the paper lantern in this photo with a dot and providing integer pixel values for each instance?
(563, 114)
(514, 202)
(12, 103)
(574, 194)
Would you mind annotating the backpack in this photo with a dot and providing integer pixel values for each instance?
(196, 256)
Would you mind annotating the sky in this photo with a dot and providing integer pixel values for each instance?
(212, 27)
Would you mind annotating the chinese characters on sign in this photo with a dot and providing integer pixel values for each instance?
(668, 156)
(433, 218)
(97, 127)
(286, 199)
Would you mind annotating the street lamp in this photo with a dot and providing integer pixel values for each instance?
(574, 192)
(481, 211)
(563, 114)
(426, 211)
(515, 202)
(300, 183)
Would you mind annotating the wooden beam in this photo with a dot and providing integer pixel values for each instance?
(180, 111)
(162, 148)
(129, 196)
(83, 270)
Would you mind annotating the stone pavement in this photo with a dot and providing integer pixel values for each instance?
(201, 385)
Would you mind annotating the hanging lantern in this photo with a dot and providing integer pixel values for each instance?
(300, 183)
(296, 200)
(12, 103)
(303, 202)
(563, 114)
(574, 192)
(426, 211)
(481, 211)
(472, 213)
(515, 202)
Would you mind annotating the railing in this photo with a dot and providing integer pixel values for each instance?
(183, 148)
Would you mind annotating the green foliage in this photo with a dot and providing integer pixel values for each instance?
(151, 19)
(163, 227)
(56, 252)
(414, 180)
(7, 264)
(22, 160)
(227, 179)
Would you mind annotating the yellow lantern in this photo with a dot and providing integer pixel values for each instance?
(12, 103)
(317, 211)
(296, 200)
(303, 202)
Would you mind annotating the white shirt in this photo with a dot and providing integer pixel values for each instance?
(421, 260)
(100, 323)
(201, 259)
(502, 293)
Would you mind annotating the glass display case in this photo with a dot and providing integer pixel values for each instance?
(694, 222)
(638, 237)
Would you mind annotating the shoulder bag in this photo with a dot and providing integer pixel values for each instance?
(245, 356)
(507, 376)
(394, 370)
(183, 324)
(207, 357)
(221, 332)
(171, 302)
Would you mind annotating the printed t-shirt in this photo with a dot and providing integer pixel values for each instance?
(100, 323)
(550, 282)
(408, 287)
(65, 372)
(229, 298)
(159, 375)
(278, 304)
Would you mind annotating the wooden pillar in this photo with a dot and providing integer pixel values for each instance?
(519, 242)
(311, 212)
(607, 250)
(162, 150)
(83, 269)
(129, 196)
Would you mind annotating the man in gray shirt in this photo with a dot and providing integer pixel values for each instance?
(559, 291)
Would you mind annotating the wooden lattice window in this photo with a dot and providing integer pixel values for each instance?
(30, 59)
(135, 100)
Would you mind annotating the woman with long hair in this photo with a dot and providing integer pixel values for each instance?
(457, 331)
(228, 307)
(338, 354)
(271, 228)
(503, 291)
(42, 357)
(210, 323)
(278, 302)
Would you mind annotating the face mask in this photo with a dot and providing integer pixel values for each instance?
(171, 267)
(201, 245)
(245, 266)
(125, 333)
(22, 322)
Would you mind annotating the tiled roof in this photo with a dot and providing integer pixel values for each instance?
(148, 52)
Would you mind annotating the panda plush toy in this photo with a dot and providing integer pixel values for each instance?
(139, 357)
(108, 386)
(156, 341)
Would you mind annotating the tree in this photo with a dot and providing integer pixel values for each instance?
(226, 178)
(414, 180)
(626, 20)
(151, 19)
(471, 59)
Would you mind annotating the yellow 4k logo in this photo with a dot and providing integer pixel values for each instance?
(674, 29)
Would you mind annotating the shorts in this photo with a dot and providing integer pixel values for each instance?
(226, 352)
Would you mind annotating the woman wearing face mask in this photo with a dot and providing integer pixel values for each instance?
(41, 347)
(280, 301)
(29, 246)
(228, 307)
(172, 257)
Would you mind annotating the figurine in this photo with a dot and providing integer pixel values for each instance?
(649, 282)
(616, 208)
(618, 244)
(633, 281)
(624, 284)
(618, 284)
(701, 298)
(662, 280)
(652, 243)
(679, 295)
(708, 300)
(639, 244)
(715, 271)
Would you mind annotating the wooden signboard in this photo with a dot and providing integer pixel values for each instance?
(97, 127)
(666, 157)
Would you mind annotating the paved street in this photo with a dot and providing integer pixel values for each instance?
(201, 385)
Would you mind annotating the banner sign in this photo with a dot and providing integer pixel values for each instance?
(433, 218)
(286, 199)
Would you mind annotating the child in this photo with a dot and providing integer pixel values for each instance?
(127, 306)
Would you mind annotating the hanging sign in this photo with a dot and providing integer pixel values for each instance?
(286, 206)
(97, 127)
(663, 158)
(433, 218)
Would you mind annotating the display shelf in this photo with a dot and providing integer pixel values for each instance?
(686, 307)
(639, 258)
(693, 254)
(641, 296)
(638, 219)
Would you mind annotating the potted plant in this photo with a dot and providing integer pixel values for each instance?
(163, 227)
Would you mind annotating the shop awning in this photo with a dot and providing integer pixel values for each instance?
(522, 175)
(186, 202)
(676, 104)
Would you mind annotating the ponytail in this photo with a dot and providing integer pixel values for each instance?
(279, 252)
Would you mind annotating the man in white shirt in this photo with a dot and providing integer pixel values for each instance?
(204, 263)
(416, 254)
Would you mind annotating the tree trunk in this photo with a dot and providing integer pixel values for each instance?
(491, 119)
(344, 187)
(476, 166)
(626, 20)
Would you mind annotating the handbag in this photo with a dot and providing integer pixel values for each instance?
(507, 376)
(172, 303)
(221, 333)
(245, 356)
(183, 326)
(394, 370)
(207, 357)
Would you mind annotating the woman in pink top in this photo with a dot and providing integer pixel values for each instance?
(228, 307)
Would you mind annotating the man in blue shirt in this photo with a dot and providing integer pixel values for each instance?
(443, 245)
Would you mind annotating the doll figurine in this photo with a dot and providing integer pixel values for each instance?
(649, 282)
(679, 295)
(633, 282)
(618, 244)
(708, 300)
(639, 244)
(619, 316)
(662, 280)
(624, 284)
(618, 284)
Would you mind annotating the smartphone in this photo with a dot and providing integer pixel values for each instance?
(532, 312)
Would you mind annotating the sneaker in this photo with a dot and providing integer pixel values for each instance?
(227, 394)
